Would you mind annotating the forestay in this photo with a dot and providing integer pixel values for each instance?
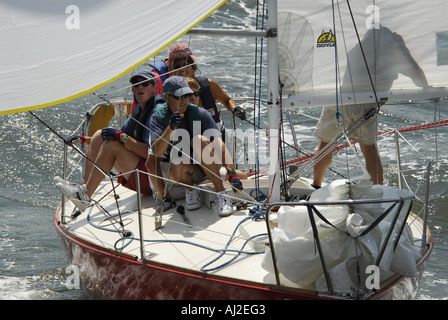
(405, 44)
(52, 51)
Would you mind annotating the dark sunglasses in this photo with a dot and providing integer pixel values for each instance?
(145, 84)
(185, 96)
(197, 94)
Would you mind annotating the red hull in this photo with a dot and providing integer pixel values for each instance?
(105, 275)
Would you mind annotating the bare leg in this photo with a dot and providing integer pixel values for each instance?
(92, 153)
(152, 164)
(373, 163)
(210, 169)
(182, 173)
(111, 154)
(321, 166)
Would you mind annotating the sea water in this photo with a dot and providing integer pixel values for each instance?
(33, 264)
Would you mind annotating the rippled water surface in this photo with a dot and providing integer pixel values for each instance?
(32, 261)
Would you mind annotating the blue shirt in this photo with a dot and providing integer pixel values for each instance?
(207, 127)
(157, 125)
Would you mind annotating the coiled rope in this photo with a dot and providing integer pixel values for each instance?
(127, 240)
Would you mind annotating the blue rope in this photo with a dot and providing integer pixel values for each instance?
(128, 240)
(225, 250)
(258, 212)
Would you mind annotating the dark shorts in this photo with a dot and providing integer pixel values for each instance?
(131, 183)
(199, 174)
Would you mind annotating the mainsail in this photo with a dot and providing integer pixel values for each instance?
(404, 44)
(52, 51)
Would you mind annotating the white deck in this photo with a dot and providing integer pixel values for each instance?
(178, 244)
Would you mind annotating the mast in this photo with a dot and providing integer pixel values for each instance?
(273, 88)
(273, 100)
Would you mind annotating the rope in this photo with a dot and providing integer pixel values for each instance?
(364, 56)
(127, 240)
(306, 158)
(173, 146)
(84, 156)
(257, 165)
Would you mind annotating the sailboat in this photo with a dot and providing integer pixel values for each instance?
(349, 239)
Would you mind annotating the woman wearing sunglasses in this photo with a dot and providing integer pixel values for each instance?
(195, 134)
(184, 65)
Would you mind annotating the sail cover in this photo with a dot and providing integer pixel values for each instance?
(52, 51)
(405, 44)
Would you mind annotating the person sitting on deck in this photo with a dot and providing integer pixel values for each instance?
(184, 65)
(179, 120)
(233, 176)
(125, 149)
(182, 62)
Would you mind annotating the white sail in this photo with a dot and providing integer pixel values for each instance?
(52, 51)
(405, 45)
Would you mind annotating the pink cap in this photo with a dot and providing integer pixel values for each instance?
(181, 47)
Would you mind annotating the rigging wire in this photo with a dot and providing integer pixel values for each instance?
(258, 108)
(180, 151)
(436, 117)
(377, 101)
(346, 132)
(282, 148)
(84, 156)
(336, 68)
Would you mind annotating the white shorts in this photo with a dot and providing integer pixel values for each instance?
(327, 128)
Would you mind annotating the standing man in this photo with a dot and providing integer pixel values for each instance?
(327, 129)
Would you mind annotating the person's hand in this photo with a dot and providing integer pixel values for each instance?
(240, 113)
(111, 134)
(75, 139)
(176, 117)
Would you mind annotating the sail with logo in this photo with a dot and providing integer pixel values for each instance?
(326, 46)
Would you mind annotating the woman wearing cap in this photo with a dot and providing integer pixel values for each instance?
(184, 65)
(179, 118)
(233, 175)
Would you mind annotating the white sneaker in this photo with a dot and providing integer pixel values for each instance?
(225, 206)
(58, 179)
(192, 199)
(76, 193)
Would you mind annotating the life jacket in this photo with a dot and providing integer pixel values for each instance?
(160, 70)
(135, 128)
(208, 101)
(162, 67)
(191, 115)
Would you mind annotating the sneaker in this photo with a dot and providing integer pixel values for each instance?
(225, 206)
(58, 179)
(166, 204)
(76, 193)
(192, 198)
